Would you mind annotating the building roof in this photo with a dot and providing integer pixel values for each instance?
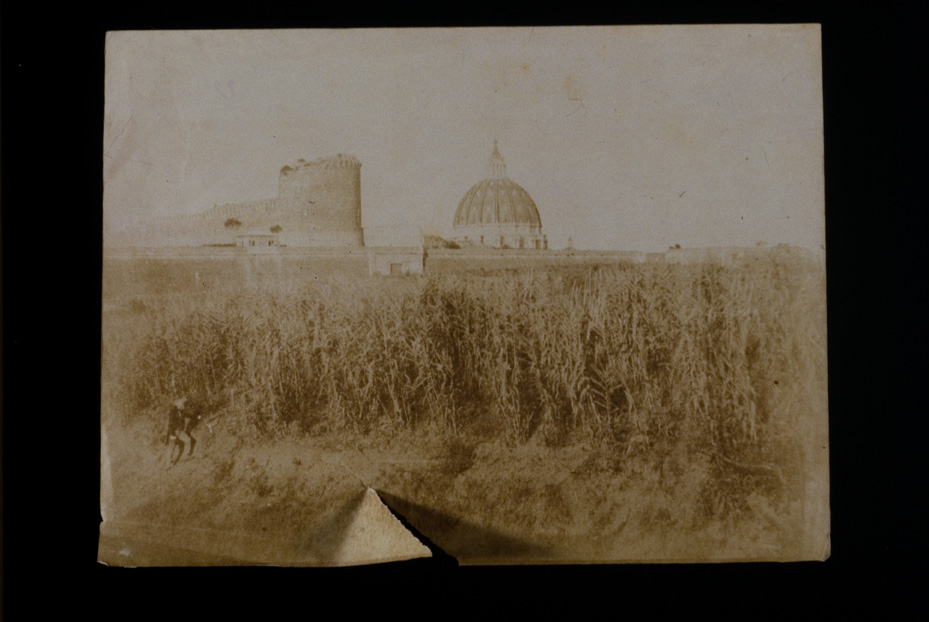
(497, 199)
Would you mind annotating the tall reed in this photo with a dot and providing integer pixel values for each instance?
(655, 359)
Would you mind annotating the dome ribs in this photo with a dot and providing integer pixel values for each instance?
(493, 201)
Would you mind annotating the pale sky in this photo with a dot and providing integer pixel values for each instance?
(627, 138)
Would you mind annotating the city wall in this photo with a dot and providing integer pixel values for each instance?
(129, 273)
(318, 205)
(161, 270)
(456, 260)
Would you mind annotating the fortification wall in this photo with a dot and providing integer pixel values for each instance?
(160, 271)
(319, 205)
(486, 258)
(308, 228)
(239, 209)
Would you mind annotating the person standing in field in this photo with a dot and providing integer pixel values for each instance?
(181, 421)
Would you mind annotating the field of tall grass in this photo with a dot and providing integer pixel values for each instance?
(662, 365)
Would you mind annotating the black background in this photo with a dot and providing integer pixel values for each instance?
(51, 99)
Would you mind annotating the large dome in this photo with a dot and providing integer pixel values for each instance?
(497, 200)
(498, 212)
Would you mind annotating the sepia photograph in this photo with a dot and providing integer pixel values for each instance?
(550, 295)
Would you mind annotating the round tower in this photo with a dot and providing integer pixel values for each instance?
(326, 196)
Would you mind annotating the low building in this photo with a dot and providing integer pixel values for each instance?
(258, 242)
(396, 261)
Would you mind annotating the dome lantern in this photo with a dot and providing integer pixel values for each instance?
(496, 166)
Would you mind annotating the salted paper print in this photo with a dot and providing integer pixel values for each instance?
(506, 296)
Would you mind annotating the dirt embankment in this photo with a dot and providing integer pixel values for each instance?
(245, 500)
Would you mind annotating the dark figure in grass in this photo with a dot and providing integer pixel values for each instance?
(181, 421)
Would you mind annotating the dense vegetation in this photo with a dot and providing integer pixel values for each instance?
(658, 363)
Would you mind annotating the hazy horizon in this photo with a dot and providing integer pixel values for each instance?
(627, 138)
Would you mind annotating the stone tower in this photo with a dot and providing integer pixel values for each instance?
(327, 193)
